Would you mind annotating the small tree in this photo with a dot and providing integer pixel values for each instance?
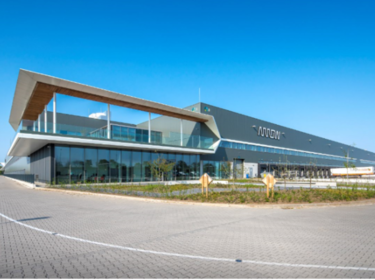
(284, 170)
(226, 170)
(348, 164)
(311, 169)
(230, 171)
(159, 167)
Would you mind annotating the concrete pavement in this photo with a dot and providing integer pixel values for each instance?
(98, 236)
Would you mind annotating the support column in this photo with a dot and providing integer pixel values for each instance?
(54, 112)
(34, 126)
(181, 133)
(45, 119)
(109, 122)
(149, 127)
(39, 123)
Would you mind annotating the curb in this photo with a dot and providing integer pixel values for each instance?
(262, 206)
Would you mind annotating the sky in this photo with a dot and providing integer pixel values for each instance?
(307, 65)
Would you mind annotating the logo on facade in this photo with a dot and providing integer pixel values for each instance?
(269, 133)
(206, 109)
(194, 109)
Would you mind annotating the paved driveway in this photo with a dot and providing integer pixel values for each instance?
(54, 234)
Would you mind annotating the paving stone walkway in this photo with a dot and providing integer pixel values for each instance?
(335, 242)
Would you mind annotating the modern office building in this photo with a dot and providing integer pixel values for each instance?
(66, 148)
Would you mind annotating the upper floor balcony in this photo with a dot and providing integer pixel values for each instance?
(48, 110)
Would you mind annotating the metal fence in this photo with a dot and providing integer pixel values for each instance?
(29, 178)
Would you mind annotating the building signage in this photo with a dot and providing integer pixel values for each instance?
(269, 133)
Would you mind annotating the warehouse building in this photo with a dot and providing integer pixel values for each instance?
(66, 148)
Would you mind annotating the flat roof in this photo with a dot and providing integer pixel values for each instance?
(35, 90)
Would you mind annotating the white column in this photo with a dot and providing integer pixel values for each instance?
(34, 126)
(54, 112)
(39, 123)
(149, 127)
(109, 122)
(181, 131)
(45, 119)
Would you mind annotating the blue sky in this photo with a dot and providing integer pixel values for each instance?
(308, 65)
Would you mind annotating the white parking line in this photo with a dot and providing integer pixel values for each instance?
(183, 255)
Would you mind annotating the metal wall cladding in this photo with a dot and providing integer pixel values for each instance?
(239, 127)
(41, 164)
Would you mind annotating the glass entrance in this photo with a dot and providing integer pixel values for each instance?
(238, 168)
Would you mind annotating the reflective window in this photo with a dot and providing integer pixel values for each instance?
(146, 169)
(131, 134)
(137, 166)
(115, 166)
(76, 169)
(138, 135)
(91, 166)
(103, 165)
(62, 155)
(172, 173)
(145, 136)
(125, 166)
(125, 133)
(186, 167)
(116, 132)
(193, 167)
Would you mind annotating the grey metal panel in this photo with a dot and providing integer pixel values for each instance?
(41, 161)
(240, 127)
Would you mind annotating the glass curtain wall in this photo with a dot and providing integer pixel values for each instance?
(126, 157)
(62, 156)
(115, 166)
(80, 164)
(91, 165)
(216, 169)
(172, 174)
(103, 164)
(77, 165)
(146, 166)
(137, 166)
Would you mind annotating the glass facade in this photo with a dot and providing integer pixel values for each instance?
(258, 148)
(92, 165)
(213, 168)
(121, 133)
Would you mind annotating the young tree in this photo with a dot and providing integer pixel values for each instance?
(231, 171)
(284, 170)
(311, 169)
(159, 167)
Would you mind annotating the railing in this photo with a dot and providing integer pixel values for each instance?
(133, 134)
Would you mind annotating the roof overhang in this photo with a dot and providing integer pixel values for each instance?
(34, 91)
(25, 144)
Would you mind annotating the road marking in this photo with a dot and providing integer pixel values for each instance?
(183, 255)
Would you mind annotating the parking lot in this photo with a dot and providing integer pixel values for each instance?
(57, 234)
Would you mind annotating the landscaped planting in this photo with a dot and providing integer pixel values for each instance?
(244, 194)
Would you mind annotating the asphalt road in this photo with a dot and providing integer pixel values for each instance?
(55, 234)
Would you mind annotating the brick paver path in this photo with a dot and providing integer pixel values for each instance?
(327, 239)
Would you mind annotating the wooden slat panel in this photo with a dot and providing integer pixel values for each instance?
(43, 93)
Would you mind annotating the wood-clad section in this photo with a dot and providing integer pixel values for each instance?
(40, 97)
(43, 93)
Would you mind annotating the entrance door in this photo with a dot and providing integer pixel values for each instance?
(238, 168)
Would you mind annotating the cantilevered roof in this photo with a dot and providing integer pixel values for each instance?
(34, 91)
